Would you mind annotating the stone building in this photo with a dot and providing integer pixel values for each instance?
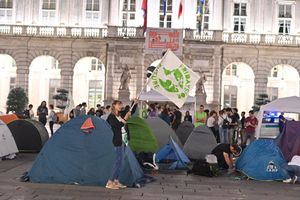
(244, 47)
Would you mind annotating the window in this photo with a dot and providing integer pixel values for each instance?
(49, 12)
(272, 93)
(95, 92)
(240, 17)
(202, 20)
(96, 65)
(54, 84)
(284, 19)
(165, 14)
(92, 12)
(54, 64)
(231, 70)
(128, 12)
(6, 11)
(230, 96)
(12, 83)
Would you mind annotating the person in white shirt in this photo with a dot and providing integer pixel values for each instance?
(52, 118)
(223, 122)
(211, 123)
(293, 170)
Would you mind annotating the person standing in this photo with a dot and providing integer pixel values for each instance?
(242, 132)
(282, 121)
(28, 113)
(250, 126)
(233, 126)
(52, 118)
(165, 116)
(211, 123)
(188, 117)
(224, 122)
(201, 117)
(177, 119)
(91, 112)
(99, 111)
(42, 113)
(117, 124)
(83, 108)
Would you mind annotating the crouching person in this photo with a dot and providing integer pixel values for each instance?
(224, 152)
(293, 170)
(117, 124)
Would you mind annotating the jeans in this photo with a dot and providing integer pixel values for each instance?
(293, 170)
(248, 135)
(51, 123)
(116, 170)
(223, 135)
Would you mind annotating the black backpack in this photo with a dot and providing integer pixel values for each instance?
(203, 168)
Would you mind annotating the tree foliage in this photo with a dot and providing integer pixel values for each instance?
(17, 101)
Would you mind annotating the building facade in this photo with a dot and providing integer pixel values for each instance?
(244, 47)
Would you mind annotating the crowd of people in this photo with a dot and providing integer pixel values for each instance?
(227, 125)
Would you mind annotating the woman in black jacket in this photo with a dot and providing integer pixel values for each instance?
(42, 112)
(117, 124)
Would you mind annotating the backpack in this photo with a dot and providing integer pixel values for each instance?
(55, 118)
(225, 124)
(203, 168)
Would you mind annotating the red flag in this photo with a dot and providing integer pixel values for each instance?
(180, 9)
(145, 8)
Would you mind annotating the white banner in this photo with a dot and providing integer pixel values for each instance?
(173, 79)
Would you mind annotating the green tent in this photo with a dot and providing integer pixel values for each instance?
(141, 136)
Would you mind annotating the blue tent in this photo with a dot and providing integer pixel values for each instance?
(74, 156)
(262, 160)
(172, 153)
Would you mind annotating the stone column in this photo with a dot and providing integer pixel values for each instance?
(66, 73)
(22, 69)
(109, 75)
(261, 79)
(114, 11)
(216, 15)
(217, 77)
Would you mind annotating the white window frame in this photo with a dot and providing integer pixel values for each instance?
(277, 18)
(204, 16)
(240, 17)
(129, 22)
(94, 24)
(13, 10)
(168, 14)
(55, 22)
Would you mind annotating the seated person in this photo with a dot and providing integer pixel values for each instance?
(224, 152)
(293, 170)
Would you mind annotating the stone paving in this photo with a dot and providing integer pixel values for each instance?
(175, 186)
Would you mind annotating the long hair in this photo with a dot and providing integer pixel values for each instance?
(115, 102)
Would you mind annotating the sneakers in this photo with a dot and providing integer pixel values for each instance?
(294, 179)
(115, 185)
(111, 185)
(118, 184)
(289, 180)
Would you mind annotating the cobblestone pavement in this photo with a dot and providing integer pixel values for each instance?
(175, 186)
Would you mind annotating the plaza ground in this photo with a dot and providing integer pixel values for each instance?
(167, 186)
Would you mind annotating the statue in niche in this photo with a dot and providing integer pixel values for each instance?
(200, 89)
(125, 78)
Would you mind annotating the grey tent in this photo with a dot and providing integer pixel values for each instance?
(8, 145)
(184, 131)
(162, 131)
(200, 143)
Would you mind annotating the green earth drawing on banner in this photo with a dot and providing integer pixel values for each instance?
(176, 81)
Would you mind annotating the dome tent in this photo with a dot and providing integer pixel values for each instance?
(141, 136)
(30, 135)
(262, 160)
(200, 143)
(184, 131)
(162, 131)
(76, 156)
(8, 146)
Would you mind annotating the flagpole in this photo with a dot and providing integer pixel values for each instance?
(145, 86)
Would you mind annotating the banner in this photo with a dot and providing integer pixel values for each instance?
(173, 79)
(161, 39)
